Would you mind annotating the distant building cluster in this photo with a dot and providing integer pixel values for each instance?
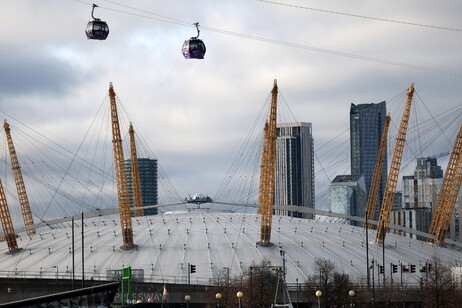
(414, 205)
(418, 199)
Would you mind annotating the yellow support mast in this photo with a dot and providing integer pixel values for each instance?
(136, 182)
(20, 187)
(121, 176)
(450, 188)
(266, 195)
(393, 174)
(375, 183)
(7, 223)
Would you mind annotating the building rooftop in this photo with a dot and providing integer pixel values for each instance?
(346, 178)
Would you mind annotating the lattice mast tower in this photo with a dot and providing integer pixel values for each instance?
(393, 174)
(136, 181)
(375, 182)
(7, 223)
(266, 194)
(20, 187)
(448, 195)
(121, 176)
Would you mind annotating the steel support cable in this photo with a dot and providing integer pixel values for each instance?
(65, 152)
(448, 118)
(246, 175)
(285, 114)
(334, 138)
(294, 45)
(100, 134)
(323, 170)
(335, 158)
(256, 152)
(247, 165)
(242, 174)
(160, 166)
(426, 130)
(32, 144)
(161, 172)
(69, 166)
(248, 148)
(417, 126)
(362, 16)
(143, 142)
(432, 117)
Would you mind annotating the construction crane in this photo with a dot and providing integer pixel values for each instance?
(375, 182)
(267, 172)
(20, 187)
(121, 176)
(450, 188)
(7, 223)
(393, 174)
(136, 182)
(439, 155)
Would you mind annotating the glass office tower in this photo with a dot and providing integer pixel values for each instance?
(366, 125)
(294, 167)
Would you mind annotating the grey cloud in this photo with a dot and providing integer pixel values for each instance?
(24, 72)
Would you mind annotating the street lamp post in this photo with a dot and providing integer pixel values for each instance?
(55, 266)
(318, 295)
(283, 255)
(239, 296)
(351, 293)
(297, 290)
(218, 297)
(187, 298)
(251, 287)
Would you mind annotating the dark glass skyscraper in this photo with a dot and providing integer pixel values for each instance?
(366, 126)
(148, 179)
(294, 167)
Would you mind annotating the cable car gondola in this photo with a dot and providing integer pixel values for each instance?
(96, 29)
(194, 48)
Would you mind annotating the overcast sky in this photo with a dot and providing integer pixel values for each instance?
(193, 114)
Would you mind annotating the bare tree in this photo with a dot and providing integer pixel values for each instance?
(333, 284)
(438, 287)
(258, 285)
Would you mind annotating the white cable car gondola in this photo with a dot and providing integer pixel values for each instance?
(194, 48)
(96, 29)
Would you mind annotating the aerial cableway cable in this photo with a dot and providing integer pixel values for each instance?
(278, 42)
(363, 16)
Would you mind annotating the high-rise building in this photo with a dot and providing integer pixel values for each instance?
(366, 126)
(294, 167)
(427, 168)
(148, 179)
(419, 196)
(347, 195)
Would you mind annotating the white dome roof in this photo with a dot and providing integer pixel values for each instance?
(212, 241)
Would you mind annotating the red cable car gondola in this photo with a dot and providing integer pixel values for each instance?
(96, 28)
(194, 48)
